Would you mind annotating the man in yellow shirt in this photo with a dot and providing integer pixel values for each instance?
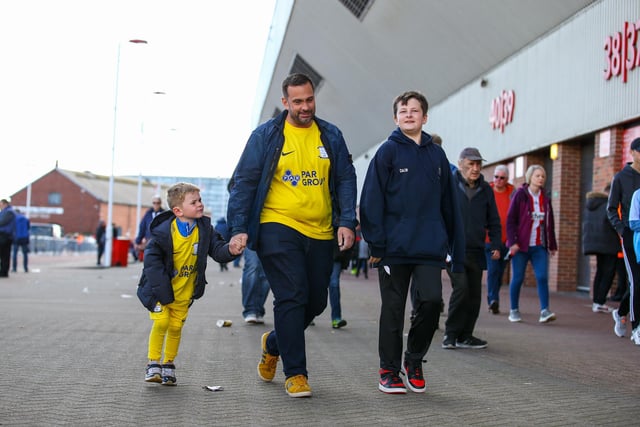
(294, 190)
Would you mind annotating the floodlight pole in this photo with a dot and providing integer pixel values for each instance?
(109, 225)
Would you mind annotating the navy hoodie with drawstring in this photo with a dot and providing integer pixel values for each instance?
(408, 209)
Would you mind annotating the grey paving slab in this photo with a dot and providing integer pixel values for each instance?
(74, 338)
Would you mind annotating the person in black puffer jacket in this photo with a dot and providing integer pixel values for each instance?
(599, 238)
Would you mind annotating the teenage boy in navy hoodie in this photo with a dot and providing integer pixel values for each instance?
(411, 220)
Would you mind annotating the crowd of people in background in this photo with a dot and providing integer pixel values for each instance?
(294, 219)
(483, 226)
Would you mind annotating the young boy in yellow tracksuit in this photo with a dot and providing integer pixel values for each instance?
(175, 261)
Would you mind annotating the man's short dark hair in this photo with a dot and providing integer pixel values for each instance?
(296, 79)
(402, 99)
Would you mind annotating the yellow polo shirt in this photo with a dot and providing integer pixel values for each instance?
(299, 195)
(185, 255)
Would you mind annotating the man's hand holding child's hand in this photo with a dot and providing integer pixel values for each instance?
(237, 244)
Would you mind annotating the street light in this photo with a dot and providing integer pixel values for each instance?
(109, 231)
(139, 202)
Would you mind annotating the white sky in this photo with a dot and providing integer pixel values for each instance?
(58, 76)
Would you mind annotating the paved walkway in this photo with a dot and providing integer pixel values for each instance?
(74, 341)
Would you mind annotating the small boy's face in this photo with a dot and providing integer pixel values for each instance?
(192, 207)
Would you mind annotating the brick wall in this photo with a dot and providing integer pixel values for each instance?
(124, 218)
(604, 168)
(565, 196)
(81, 209)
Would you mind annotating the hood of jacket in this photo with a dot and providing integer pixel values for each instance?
(161, 217)
(398, 136)
(595, 200)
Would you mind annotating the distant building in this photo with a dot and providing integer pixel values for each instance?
(212, 190)
(78, 200)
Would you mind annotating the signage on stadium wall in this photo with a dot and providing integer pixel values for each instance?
(622, 51)
(502, 108)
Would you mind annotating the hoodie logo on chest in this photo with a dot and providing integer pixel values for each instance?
(403, 170)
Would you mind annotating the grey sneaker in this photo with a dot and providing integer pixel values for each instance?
(620, 326)
(546, 316)
(514, 316)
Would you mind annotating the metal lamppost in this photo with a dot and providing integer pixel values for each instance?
(139, 202)
(109, 230)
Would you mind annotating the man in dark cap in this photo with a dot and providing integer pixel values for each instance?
(479, 215)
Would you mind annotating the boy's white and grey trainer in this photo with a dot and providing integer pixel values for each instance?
(154, 373)
(169, 374)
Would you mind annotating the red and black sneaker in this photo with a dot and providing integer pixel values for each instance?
(413, 376)
(390, 382)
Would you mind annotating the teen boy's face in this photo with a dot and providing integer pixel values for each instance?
(410, 117)
(192, 207)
